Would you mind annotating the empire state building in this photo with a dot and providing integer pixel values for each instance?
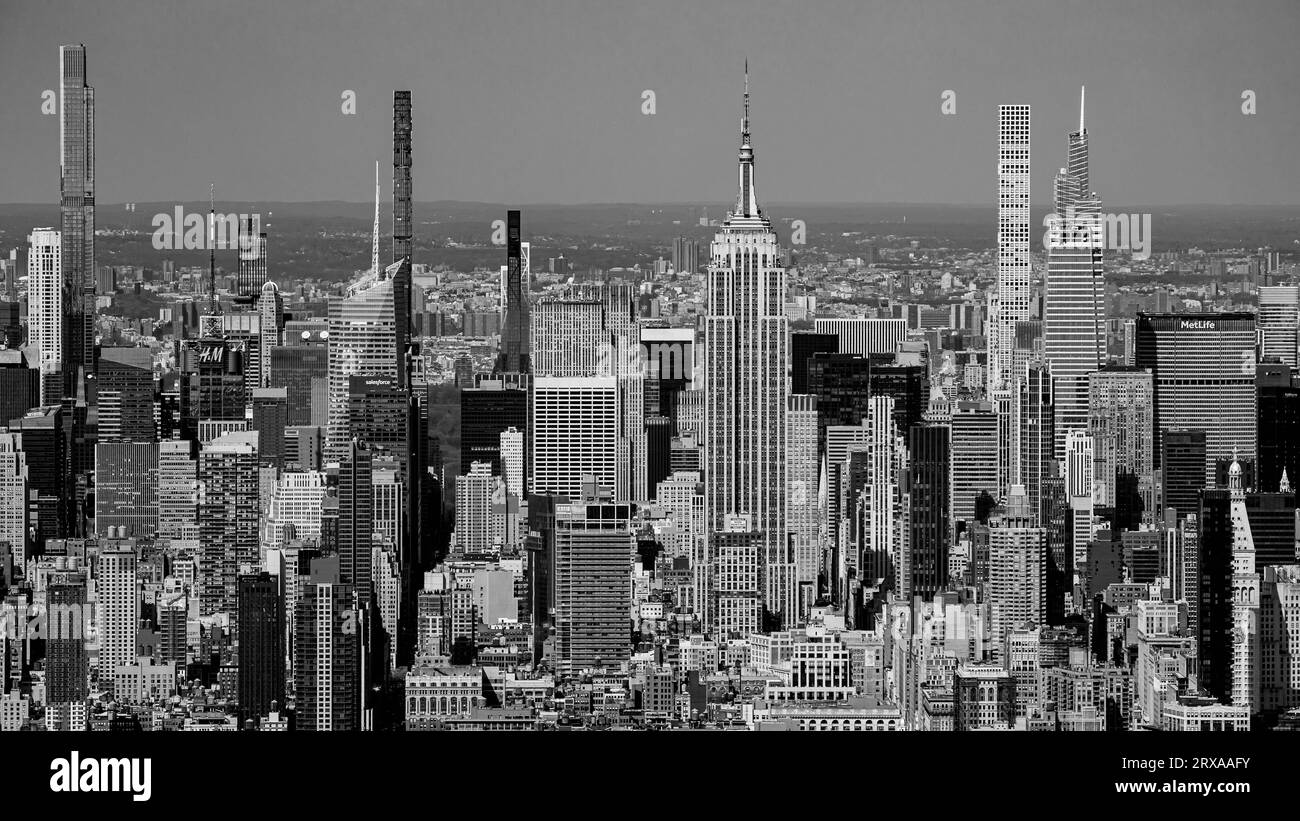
(746, 391)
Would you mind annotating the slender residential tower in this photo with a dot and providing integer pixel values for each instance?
(1073, 310)
(514, 329)
(77, 215)
(402, 225)
(746, 336)
(1014, 268)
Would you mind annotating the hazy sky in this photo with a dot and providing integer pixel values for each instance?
(528, 102)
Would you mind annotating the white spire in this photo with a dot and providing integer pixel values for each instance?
(374, 242)
(1083, 93)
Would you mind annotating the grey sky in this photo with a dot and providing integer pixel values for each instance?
(525, 102)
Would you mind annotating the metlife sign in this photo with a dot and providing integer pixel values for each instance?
(1198, 325)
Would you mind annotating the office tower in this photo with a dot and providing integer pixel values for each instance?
(303, 447)
(906, 384)
(658, 449)
(326, 651)
(377, 414)
(211, 383)
(14, 518)
(45, 314)
(594, 546)
(569, 337)
(270, 313)
(1079, 471)
(669, 369)
(299, 368)
(270, 418)
(1277, 424)
(803, 346)
(1182, 471)
(1074, 340)
(363, 341)
(1225, 534)
(228, 500)
(1120, 419)
(927, 486)
(76, 215)
(802, 480)
(261, 644)
(1014, 266)
(1192, 355)
(66, 660)
(45, 442)
(12, 332)
(864, 336)
(117, 607)
(1017, 570)
(1279, 623)
(356, 518)
(478, 528)
(251, 274)
(574, 433)
(882, 502)
(295, 508)
(746, 334)
(20, 382)
(177, 486)
(686, 255)
(1279, 317)
(514, 356)
(842, 384)
(512, 461)
(493, 405)
(974, 457)
(124, 393)
(841, 441)
(126, 489)
(242, 332)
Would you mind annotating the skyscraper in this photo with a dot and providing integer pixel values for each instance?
(77, 215)
(1182, 470)
(1073, 313)
(514, 356)
(1191, 356)
(1120, 419)
(803, 470)
(746, 335)
(251, 275)
(45, 314)
(974, 458)
(593, 567)
(261, 644)
(118, 608)
(1014, 269)
(1279, 317)
(927, 488)
(1277, 425)
(177, 488)
(126, 489)
(574, 433)
(1017, 569)
(363, 341)
(124, 393)
(228, 501)
(13, 497)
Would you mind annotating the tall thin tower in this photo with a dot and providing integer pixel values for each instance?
(1074, 341)
(402, 215)
(77, 215)
(1014, 268)
(514, 357)
(746, 391)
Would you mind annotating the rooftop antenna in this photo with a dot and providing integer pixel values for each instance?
(1083, 93)
(212, 250)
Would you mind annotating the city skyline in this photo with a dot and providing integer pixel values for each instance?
(886, 480)
(1238, 158)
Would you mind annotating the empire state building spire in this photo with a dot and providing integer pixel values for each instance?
(747, 197)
